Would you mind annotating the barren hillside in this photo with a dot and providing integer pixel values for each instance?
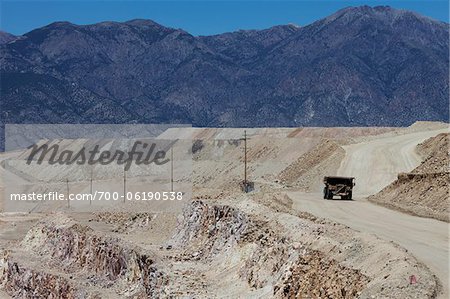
(359, 66)
(425, 190)
(225, 243)
(219, 248)
(307, 171)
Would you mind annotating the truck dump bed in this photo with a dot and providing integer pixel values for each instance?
(338, 186)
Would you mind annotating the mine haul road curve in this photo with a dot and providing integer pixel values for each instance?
(375, 164)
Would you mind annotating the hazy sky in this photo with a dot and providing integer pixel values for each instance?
(196, 17)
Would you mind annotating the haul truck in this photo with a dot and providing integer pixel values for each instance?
(338, 186)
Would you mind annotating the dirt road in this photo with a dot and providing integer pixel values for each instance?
(375, 164)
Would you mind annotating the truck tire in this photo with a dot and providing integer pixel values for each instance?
(330, 194)
(325, 193)
(349, 196)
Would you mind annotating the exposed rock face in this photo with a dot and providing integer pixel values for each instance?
(292, 257)
(313, 275)
(21, 282)
(436, 153)
(80, 252)
(359, 66)
(216, 249)
(274, 263)
(5, 37)
(211, 228)
(295, 271)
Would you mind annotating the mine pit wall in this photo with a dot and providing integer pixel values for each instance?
(418, 194)
(275, 265)
(289, 272)
(282, 268)
(75, 248)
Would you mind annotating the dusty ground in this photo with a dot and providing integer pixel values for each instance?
(278, 241)
(377, 162)
(425, 190)
(383, 158)
(426, 239)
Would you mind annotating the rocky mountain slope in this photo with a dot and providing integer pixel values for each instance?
(6, 37)
(359, 66)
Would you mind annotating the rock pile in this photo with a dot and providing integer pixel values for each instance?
(78, 251)
(313, 275)
(221, 248)
(209, 229)
(22, 282)
(275, 263)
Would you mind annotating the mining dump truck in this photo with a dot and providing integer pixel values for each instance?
(338, 186)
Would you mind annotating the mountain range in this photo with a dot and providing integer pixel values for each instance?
(361, 66)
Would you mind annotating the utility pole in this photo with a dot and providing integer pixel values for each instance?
(245, 158)
(68, 199)
(124, 184)
(90, 187)
(171, 168)
(246, 186)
